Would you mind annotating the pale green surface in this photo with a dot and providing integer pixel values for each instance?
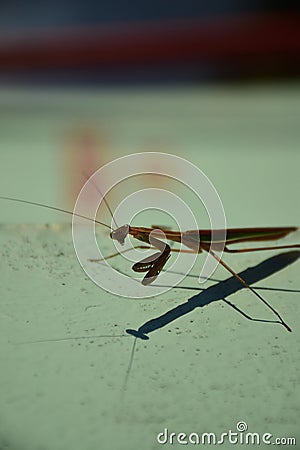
(204, 371)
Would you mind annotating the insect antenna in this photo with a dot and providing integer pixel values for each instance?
(54, 208)
(103, 197)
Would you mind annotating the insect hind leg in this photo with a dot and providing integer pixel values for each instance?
(238, 277)
(257, 249)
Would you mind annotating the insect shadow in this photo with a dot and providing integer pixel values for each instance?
(220, 291)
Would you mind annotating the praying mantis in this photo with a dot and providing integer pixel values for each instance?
(195, 241)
